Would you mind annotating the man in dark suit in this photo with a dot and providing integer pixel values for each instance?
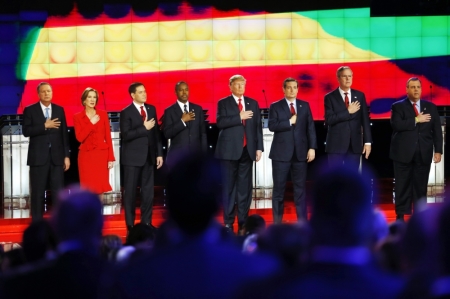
(48, 152)
(141, 150)
(347, 118)
(293, 146)
(416, 132)
(184, 125)
(238, 145)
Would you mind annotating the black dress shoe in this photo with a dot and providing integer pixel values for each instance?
(400, 217)
(151, 226)
(229, 228)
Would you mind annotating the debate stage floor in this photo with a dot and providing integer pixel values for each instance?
(11, 229)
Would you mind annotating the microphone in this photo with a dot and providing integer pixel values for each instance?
(431, 93)
(104, 100)
(265, 98)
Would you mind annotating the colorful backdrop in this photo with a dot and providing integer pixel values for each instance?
(205, 46)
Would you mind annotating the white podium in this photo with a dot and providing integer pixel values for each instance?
(16, 181)
(436, 178)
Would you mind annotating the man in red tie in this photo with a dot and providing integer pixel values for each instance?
(239, 143)
(347, 120)
(416, 134)
(141, 152)
(293, 147)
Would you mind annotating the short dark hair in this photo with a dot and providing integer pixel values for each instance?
(42, 83)
(179, 83)
(85, 94)
(133, 87)
(413, 79)
(290, 79)
(341, 69)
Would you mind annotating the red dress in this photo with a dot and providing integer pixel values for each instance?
(95, 151)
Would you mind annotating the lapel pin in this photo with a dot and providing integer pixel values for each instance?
(299, 105)
(424, 108)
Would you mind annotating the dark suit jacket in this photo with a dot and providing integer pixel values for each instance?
(138, 143)
(301, 136)
(406, 134)
(40, 138)
(344, 127)
(231, 134)
(190, 137)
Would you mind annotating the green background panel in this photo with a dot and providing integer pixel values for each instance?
(356, 27)
(408, 47)
(409, 26)
(434, 46)
(384, 46)
(382, 27)
(434, 26)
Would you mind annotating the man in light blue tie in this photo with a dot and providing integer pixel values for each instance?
(48, 152)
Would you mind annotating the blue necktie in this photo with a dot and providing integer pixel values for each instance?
(46, 113)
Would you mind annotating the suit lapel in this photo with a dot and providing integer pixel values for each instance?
(286, 108)
(338, 98)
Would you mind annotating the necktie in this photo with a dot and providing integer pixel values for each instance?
(144, 116)
(292, 109)
(243, 121)
(185, 111)
(346, 99)
(47, 116)
(415, 109)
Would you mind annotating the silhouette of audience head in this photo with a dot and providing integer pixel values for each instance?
(288, 242)
(253, 224)
(193, 192)
(78, 217)
(342, 214)
(38, 240)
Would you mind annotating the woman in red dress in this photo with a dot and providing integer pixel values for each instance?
(95, 156)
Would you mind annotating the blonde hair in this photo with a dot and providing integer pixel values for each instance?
(235, 78)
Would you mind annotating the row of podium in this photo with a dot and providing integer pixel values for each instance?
(16, 187)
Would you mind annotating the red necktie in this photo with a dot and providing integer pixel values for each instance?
(243, 121)
(144, 116)
(292, 109)
(415, 109)
(346, 99)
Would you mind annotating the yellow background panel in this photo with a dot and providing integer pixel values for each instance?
(278, 29)
(94, 33)
(172, 31)
(145, 52)
(252, 50)
(285, 15)
(172, 51)
(62, 34)
(116, 52)
(118, 33)
(352, 52)
(90, 52)
(199, 51)
(231, 63)
(117, 68)
(198, 65)
(226, 29)
(199, 30)
(38, 71)
(331, 48)
(144, 32)
(91, 69)
(148, 67)
(172, 66)
(43, 36)
(226, 50)
(305, 49)
(304, 28)
(63, 70)
(63, 52)
(252, 29)
(40, 53)
(278, 50)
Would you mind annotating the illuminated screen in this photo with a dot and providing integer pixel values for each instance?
(206, 47)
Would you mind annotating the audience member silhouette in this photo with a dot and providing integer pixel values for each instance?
(39, 241)
(77, 269)
(195, 262)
